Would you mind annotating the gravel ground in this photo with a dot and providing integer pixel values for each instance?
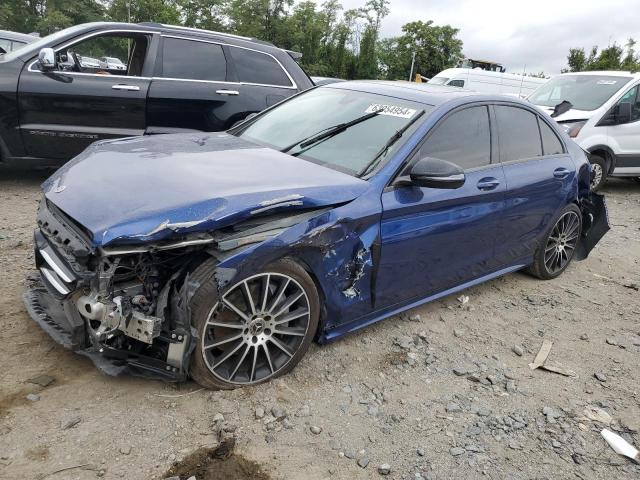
(442, 392)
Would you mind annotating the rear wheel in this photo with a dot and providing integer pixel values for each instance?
(599, 170)
(258, 329)
(556, 252)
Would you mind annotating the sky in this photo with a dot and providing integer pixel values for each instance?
(536, 33)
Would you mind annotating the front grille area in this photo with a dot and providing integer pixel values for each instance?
(57, 274)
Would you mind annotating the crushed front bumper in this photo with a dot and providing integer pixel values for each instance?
(62, 321)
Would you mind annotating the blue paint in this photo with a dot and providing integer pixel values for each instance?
(378, 251)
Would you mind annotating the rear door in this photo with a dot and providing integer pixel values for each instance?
(65, 110)
(540, 177)
(191, 88)
(436, 239)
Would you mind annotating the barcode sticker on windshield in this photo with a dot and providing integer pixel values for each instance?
(391, 110)
(607, 82)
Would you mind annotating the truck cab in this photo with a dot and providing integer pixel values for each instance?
(106, 80)
(601, 112)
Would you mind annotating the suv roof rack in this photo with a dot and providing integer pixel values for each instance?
(202, 30)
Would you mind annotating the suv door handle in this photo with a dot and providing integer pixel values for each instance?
(227, 92)
(488, 183)
(561, 172)
(131, 88)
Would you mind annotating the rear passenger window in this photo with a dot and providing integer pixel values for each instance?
(519, 134)
(456, 83)
(462, 138)
(256, 67)
(193, 60)
(551, 144)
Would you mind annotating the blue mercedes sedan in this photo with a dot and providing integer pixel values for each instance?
(222, 256)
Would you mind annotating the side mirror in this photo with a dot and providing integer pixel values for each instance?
(623, 113)
(47, 59)
(436, 173)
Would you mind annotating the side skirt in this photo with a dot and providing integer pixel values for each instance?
(333, 334)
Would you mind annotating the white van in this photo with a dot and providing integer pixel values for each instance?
(601, 112)
(485, 81)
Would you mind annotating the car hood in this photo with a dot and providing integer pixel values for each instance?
(144, 189)
(570, 115)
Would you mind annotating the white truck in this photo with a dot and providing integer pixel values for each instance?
(601, 112)
(488, 81)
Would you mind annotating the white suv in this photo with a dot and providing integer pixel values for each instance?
(601, 112)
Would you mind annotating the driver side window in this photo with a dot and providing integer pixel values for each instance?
(113, 54)
(632, 97)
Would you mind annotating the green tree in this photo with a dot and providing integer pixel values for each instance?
(207, 14)
(577, 60)
(436, 48)
(136, 11)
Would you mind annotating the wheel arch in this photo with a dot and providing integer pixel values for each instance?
(607, 153)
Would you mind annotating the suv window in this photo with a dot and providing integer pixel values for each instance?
(632, 97)
(519, 134)
(193, 60)
(551, 144)
(84, 56)
(256, 67)
(463, 138)
(456, 83)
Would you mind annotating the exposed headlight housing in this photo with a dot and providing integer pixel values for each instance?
(573, 128)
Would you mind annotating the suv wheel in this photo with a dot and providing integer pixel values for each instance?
(256, 330)
(599, 169)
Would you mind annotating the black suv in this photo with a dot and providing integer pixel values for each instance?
(106, 80)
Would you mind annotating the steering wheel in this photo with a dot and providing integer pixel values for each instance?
(76, 62)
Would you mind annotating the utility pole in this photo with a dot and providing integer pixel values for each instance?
(413, 61)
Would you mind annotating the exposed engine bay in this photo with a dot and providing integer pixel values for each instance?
(127, 307)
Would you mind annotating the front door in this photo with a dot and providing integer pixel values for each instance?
(624, 138)
(436, 239)
(84, 99)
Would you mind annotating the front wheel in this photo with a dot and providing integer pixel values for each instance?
(556, 251)
(599, 169)
(257, 329)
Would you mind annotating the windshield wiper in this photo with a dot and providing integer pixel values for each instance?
(329, 132)
(393, 139)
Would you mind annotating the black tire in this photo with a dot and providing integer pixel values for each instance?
(637, 179)
(600, 167)
(205, 308)
(563, 244)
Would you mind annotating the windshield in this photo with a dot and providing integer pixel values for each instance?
(349, 151)
(49, 40)
(585, 92)
(438, 80)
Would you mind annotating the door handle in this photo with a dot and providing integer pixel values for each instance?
(488, 183)
(131, 88)
(227, 92)
(561, 172)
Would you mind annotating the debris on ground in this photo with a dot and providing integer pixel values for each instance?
(541, 361)
(620, 445)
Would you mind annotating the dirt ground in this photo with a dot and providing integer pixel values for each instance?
(448, 394)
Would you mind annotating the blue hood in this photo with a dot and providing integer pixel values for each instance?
(146, 189)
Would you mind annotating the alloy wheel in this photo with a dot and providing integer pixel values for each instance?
(562, 242)
(256, 328)
(596, 175)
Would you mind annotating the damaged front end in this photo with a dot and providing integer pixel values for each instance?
(126, 309)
